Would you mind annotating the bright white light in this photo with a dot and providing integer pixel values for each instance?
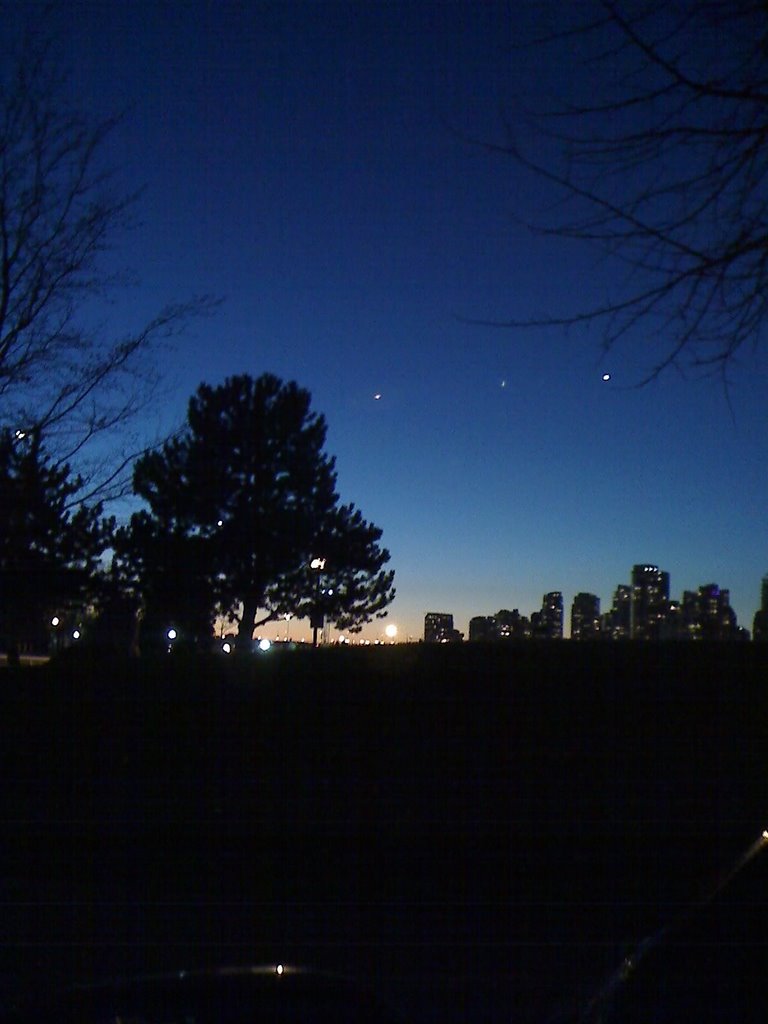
(391, 631)
(55, 620)
(75, 634)
(279, 969)
(220, 522)
(377, 397)
(171, 634)
(330, 592)
(264, 644)
(342, 639)
(317, 563)
(20, 435)
(606, 376)
(227, 648)
(764, 836)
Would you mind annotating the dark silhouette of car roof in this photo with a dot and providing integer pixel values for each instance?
(281, 994)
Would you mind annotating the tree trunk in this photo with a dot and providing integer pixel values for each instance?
(245, 629)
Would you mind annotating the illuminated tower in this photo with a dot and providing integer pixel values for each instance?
(650, 601)
(438, 626)
(550, 620)
(615, 624)
(483, 627)
(585, 617)
(760, 622)
(622, 612)
(707, 614)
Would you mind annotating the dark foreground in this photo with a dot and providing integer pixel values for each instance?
(477, 834)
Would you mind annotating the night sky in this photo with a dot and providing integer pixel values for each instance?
(313, 165)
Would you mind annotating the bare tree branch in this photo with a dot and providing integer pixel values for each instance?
(665, 167)
(59, 216)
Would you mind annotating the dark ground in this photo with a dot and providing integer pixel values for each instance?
(478, 833)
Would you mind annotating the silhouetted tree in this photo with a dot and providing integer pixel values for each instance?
(58, 215)
(242, 500)
(660, 154)
(163, 569)
(352, 587)
(115, 626)
(49, 553)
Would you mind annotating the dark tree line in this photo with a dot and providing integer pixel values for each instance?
(238, 505)
(49, 551)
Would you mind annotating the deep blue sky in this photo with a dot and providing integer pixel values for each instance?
(310, 163)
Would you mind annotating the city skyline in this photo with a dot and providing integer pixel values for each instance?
(445, 619)
(317, 167)
(641, 597)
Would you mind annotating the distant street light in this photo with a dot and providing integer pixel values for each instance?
(55, 639)
(317, 565)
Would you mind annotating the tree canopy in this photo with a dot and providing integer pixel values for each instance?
(348, 587)
(659, 154)
(49, 553)
(240, 502)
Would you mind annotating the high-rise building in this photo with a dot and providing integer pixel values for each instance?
(650, 601)
(706, 613)
(483, 627)
(760, 622)
(585, 617)
(617, 622)
(438, 626)
(511, 625)
(548, 623)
